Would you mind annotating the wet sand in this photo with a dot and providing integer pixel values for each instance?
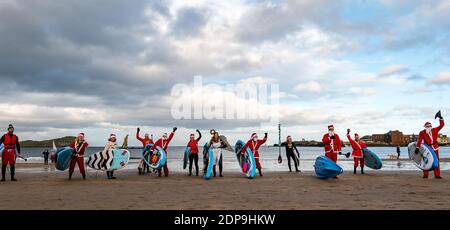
(374, 190)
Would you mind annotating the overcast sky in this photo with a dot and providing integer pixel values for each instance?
(108, 66)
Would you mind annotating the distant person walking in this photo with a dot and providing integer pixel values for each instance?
(46, 153)
(398, 151)
(429, 136)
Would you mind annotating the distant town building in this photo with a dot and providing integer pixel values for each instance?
(367, 138)
(443, 139)
(398, 138)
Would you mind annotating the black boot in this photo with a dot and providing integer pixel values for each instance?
(140, 171)
(13, 172)
(70, 176)
(260, 172)
(3, 172)
(362, 170)
(84, 176)
(354, 170)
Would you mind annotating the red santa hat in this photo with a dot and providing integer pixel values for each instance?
(254, 135)
(331, 127)
(426, 124)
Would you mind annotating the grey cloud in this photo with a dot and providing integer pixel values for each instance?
(266, 21)
(189, 22)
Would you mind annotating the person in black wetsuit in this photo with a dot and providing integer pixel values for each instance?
(11, 144)
(290, 148)
(398, 151)
(46, 153)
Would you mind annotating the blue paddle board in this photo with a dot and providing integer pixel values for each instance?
(63, 157)
(326, 168)
(208, 161)
(246, 161)
(156, 159)
(187, 152)
(371, 159)
(1, 148)
(426, 159)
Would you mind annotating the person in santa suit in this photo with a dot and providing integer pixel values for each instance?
(429, 136)
(11, 143)
(332, 144)
(79, 146)
(357, 153)
(254, 143)
(164, 143)
(145, 141)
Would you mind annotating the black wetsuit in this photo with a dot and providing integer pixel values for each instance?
(291, 154)
(398, 152)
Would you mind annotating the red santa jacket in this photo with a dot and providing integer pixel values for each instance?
(163, 143)
(332, 146)
(254, 146)
(80, 148)
(430, 138)
(357, 147)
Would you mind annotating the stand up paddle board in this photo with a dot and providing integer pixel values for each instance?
(2, 146)
(246, 161)
(115, 160)
(208, 161)
(227, 145)
(63, 157)
(426, 159)
(156, 159)
(371, 159)
(187, 152)
(326, 168)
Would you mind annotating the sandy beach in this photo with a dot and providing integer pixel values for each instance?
(375, 190)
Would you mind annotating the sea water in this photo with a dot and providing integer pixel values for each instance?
(268, 158)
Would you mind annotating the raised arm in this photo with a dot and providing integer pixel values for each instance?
(137, 135)
(199, 135)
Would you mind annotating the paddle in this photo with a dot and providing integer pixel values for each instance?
(23, 158)
(347, 155)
